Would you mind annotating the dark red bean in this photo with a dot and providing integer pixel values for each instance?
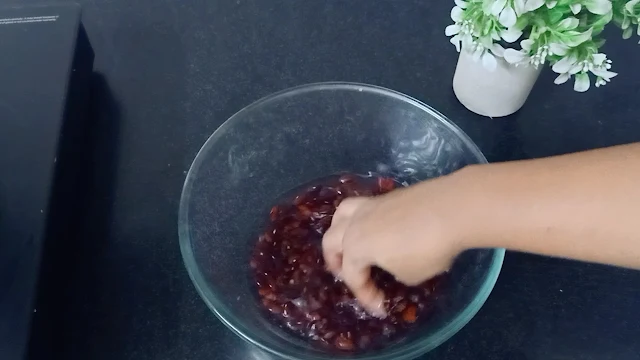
(302, 296)
(293, 259)
(386, 184)
(267, 293)
(321, 324)
(342, 342)
(299, 232)
(329, 335)
(300, 199)
(313, 191)
(315, 303)
(272, 306)
(313, 316)
(323, 295)
(304, 210)
(265, 238)
(347, 178)
(409, 314)
(273, 214)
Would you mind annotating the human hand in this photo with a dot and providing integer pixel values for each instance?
(406, 232)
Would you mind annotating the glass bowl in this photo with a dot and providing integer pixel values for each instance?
(291, 138)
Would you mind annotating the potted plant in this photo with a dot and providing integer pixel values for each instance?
(503, 45)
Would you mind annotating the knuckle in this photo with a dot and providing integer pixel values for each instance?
(332, 238)
(348, 206)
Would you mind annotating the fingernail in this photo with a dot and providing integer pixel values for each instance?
(379, 311)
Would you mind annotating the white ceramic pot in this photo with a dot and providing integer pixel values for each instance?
(496, 93)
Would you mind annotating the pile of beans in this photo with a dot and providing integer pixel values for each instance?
(302, 296)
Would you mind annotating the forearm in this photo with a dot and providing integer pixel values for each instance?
(584, 206)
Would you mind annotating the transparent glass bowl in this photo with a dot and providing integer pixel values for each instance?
(296, 136)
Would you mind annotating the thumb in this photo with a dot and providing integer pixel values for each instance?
(357, 276)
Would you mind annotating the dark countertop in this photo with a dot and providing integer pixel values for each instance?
(170, 72)
(41, 105)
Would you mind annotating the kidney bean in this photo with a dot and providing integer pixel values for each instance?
(272, 306)
(386, 184)
(299, 199)
(313, 316)
(329, 335)
(346, 178)
(304, 210)
(302, 297)
(342, 342)
(409, 314)
(273, 214)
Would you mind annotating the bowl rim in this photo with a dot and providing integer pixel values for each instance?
(223, 313)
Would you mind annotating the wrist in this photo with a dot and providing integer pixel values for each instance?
(452, 207)
(472, 208)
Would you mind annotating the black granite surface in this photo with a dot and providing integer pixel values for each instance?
(170, 72)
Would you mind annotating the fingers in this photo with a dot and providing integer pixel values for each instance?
(357, 276)
(351, 269)
(347, 207)
(332, 240)
(332, 248)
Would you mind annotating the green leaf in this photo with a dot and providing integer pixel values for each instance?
(555, 15)
(522, 22)
(575, 38)
(486, 6)
(600, 22)
(565, 2)
(599, 42)
(487, 28)
(631, 6)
